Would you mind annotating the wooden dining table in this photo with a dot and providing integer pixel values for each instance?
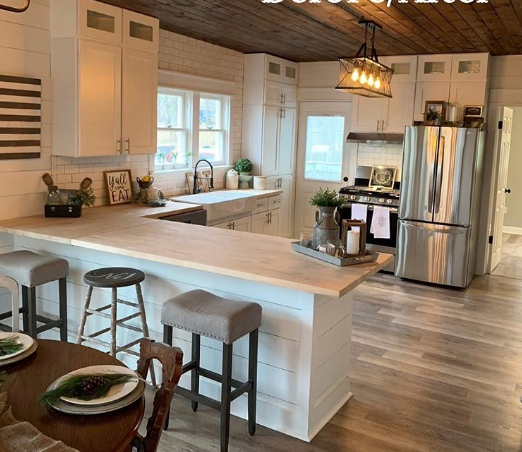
(29, 378)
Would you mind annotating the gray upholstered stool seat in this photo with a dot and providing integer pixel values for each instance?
(207, 314)
(30, 270)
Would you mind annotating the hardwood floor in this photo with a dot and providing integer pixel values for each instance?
(510, 264)
(433, 370)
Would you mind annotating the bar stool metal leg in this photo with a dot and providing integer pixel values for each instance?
(114, 310)
(252, 378)
(62, 297)
(196, 353)
(226, 390)
(145, 328)
(86, 305)
(31, 309)
(25, 317)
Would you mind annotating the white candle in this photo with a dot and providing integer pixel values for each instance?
(352, 242)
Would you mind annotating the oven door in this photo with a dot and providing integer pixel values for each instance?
(384, 245)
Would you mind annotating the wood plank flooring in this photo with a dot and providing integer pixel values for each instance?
(433, 370)
(510, 264)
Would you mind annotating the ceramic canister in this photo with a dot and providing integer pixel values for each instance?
(232, 181)
(259, 182)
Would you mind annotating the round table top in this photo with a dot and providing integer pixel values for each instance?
(111, 432)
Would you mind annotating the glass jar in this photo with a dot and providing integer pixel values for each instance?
(54, 196)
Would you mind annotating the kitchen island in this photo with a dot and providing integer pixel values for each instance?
(304, 341)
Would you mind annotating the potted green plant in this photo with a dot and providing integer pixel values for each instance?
(432, 117)
(244, 167)
(326, 227)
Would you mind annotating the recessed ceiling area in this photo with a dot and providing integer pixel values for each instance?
(325, 31)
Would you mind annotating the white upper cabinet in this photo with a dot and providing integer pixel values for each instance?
(404, 67)
(140, 32)
(280, 70)
(280, 94)
(434, 91)
(104, 75)
(468, 93)
(469, 66)
(434, 68)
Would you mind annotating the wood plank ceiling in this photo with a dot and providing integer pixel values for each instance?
(325, 31)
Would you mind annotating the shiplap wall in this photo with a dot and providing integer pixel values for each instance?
(25, 51)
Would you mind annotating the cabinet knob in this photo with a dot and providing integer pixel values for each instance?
(127, 145)
(118, 146)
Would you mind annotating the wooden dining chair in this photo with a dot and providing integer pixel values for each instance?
(171, 359)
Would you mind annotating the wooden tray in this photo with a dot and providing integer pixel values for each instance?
(370, 256)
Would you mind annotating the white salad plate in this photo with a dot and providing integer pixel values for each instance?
(115, 393)
(24, 339)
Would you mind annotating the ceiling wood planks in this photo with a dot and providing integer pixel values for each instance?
(325, 31)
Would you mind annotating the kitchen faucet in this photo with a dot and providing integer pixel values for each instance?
(196, 185)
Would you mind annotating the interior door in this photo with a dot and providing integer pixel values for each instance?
(503, 144)
(322, 157)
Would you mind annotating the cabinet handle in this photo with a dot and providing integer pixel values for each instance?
(284, 98)
(382, 126)
(127, 145)
(283, 113)
(118, 146)
(281, 98)
(378, 124)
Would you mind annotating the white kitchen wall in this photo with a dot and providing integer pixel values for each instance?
(25, 51)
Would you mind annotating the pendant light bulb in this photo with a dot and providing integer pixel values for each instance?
(355, 75)
(363, 79)
(371, 80)
(377, 83)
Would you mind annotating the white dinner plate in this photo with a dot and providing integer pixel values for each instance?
(23, 339)
(116, 392)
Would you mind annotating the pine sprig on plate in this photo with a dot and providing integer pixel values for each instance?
(10, 345)
(84, 387)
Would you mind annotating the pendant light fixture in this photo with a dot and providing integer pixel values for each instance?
(16, 10)
(362, 74)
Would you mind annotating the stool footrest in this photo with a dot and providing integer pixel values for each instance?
(129, 303)
(198, 398)
(48, 325)
(217, 377)
(9, 314)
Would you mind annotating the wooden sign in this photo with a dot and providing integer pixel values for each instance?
(119, 186)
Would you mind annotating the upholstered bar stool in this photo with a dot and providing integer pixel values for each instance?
(30, 270)
(114, 278)
(206, 314)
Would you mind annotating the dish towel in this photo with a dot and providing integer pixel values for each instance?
(16, 436)
(380, 227)
(359, 212)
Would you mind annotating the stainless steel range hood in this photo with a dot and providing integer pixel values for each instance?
(375, 138)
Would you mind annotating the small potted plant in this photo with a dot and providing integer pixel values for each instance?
(432, 117)
(326, 227)
(244, 167)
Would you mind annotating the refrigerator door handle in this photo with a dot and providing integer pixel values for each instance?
(440, 166)
(431, 177)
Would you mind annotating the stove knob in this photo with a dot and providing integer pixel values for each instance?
(389, 201)
(353, 197)
(381, 200)
(367, 198)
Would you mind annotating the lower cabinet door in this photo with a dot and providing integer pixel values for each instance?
(243, 224)
(272, 226)
(259, 220)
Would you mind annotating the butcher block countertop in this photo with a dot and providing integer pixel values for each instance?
(134, 231)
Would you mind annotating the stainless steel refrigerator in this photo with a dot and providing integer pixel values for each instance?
(439, 204)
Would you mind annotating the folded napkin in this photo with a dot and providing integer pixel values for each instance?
(380, 227)
(16, 436)
(359, 212)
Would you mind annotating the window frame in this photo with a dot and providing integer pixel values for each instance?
(191, 126)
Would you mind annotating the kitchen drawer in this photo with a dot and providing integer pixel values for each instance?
(261, 205)
(274, 202)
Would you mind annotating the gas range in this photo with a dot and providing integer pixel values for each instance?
(371, 195)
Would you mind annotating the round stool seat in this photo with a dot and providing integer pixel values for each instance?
(30, 269)
(114, 277)
(207, 314)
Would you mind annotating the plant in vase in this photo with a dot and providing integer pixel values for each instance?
(432, 117)
(244, 167)
(326, 227)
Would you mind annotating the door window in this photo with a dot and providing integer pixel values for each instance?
(324, 148)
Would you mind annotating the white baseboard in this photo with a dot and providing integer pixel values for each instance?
(512, 230)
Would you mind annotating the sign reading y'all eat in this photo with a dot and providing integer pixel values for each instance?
(119, 186)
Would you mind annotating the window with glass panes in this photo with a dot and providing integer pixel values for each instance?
(191, 126)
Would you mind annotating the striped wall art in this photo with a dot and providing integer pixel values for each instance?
(20, 117)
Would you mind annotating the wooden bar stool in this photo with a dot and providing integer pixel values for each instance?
(113, 278)
(29, 270)
(206, 314)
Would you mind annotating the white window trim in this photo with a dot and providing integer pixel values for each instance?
(202, 85)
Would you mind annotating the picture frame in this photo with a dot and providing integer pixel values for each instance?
(439, 108)
(383, 176)
(473, 111)
(119, 186)
(349, 225)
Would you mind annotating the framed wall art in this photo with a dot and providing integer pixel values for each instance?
(119, 186)
(434, 112)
